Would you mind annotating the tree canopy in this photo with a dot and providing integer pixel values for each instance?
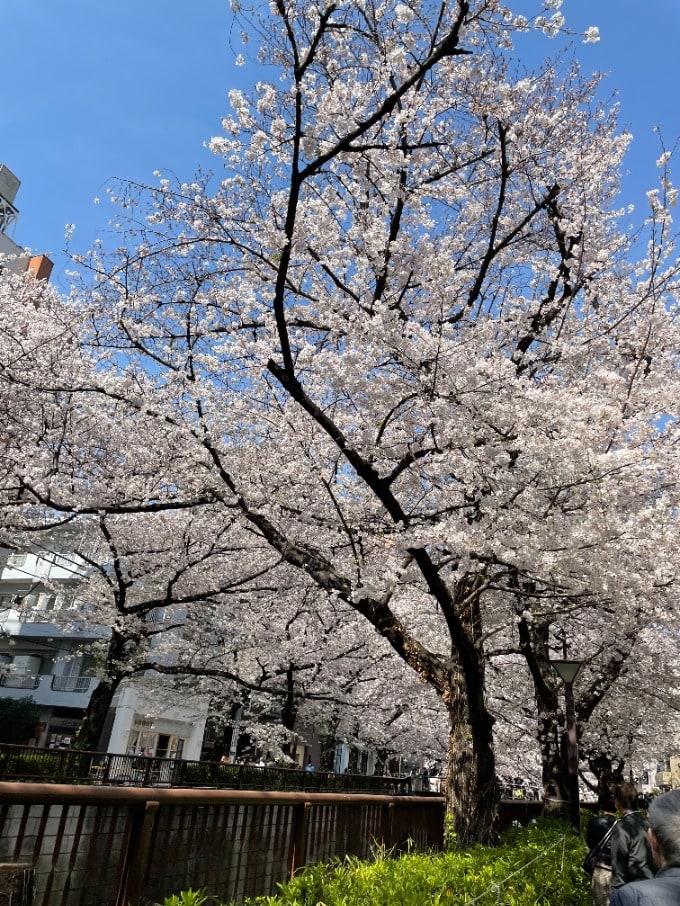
(404, 345)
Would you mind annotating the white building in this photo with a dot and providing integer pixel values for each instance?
(137, 724)
(48, 652)
(45, 648)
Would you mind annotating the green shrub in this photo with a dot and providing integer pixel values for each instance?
(24, 765)
(535, 866)
(197, 772)
(18, 718)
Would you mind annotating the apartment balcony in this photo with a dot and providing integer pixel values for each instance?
(49, 691)
(34, 624)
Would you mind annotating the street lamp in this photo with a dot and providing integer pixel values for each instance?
(567, 672)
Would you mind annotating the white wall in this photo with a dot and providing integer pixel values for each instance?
(137, 710)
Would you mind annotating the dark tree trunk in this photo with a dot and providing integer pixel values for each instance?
(534, 646)
(381, 759)
(289, 705)
(471, 791)
(553, 761)
(607, 769)
(89, 734)
(327, 747)
(90, 731)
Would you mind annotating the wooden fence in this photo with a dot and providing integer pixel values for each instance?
(126, 846)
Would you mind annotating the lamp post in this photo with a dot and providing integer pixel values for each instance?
(567, 672)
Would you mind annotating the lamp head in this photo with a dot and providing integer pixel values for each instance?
(567, 670)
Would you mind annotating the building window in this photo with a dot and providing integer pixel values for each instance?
(7, 602)
(22, 673)
(16, 559)
(47, 602)
(27, 664)
(150, 743)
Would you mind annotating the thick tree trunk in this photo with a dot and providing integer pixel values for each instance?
(551, 737)
(607, 769)
(555, 782)
(90, 732)
(471, 790)
(87, 737)
(534, 639)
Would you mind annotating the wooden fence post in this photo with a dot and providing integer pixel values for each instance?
(298, 851)
(137, 854)
(388, 840)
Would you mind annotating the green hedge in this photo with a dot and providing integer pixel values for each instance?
(47, 766)
(67, 767)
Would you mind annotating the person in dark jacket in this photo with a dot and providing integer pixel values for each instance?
(664, 835)
(596, 830)
(631, 849)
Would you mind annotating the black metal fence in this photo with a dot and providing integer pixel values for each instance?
(25, 764)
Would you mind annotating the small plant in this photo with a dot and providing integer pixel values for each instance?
(186, 898)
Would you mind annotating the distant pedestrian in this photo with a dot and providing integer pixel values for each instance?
(664, 835)
(630, 846)
(309, 766)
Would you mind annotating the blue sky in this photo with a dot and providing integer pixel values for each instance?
(95, 90)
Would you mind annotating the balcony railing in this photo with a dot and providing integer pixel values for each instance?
(19, 681)
(71, 683)
(76, 684)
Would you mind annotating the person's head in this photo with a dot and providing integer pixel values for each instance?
(664, 828)
(625, 796)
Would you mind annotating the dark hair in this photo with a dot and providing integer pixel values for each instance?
(664, 819)
(625, 794)
(605, 801)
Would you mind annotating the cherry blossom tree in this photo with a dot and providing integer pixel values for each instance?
(170, 582)
(404, 343)
(626, 700)
(187, 598)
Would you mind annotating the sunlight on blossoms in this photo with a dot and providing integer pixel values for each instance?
(654, 202)
(404, 13)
